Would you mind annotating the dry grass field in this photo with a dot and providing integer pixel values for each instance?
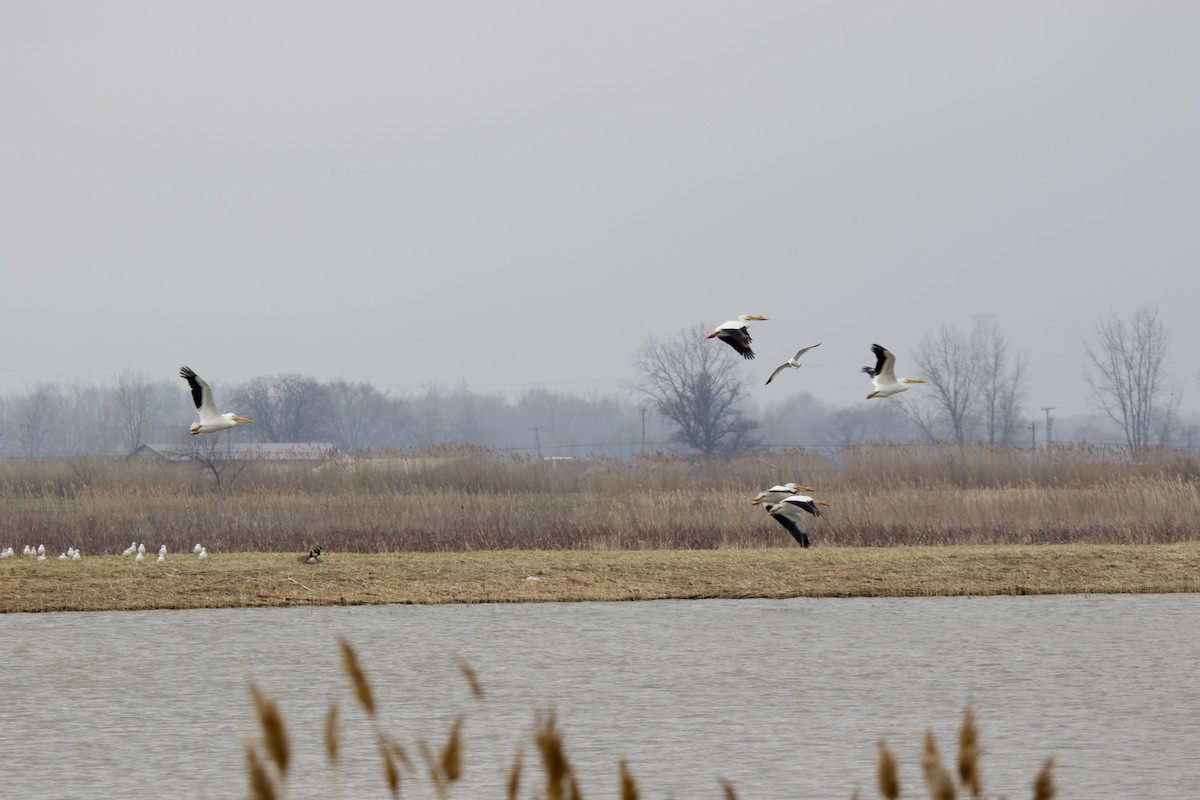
(234, 580)
(470, 526)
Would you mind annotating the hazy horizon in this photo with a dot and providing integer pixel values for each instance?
(519, 195)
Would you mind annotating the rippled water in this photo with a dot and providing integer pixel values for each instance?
(786, 698)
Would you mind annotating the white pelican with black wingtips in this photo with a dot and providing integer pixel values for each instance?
(883, 374)
(789, 512)
(776, 493)
(736, 334)
(210, 420)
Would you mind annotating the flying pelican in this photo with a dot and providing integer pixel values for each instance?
(793, 362)
(736, 334)
(883, 374)
(789, 512)
(776, 493)
(210, 420)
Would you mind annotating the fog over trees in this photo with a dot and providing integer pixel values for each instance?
(690, 396)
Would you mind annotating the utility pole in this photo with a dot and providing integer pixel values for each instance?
(1033, 436)
(1049, 424)
(537, 438)
(643, 430)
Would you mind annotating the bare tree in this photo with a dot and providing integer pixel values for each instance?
(211, 452)
(1127, 374)
(285, 408)
(694, 384)
(361, 416)
(948, 361)
(1002, 384)
(37, 417)
(856, 424)
(134, 400)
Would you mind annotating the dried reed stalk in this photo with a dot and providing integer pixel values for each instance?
(274, 735)
(450, 760)
(560, 777)
(333, 734)
(391, 773)
(358, 679)
(937, 777)
(887, 773)
(262, 785)
(969, 754)
(727, 789)
(513, 784)
(436, 778)
(1043, 784)
(472, 679)
(628, 786)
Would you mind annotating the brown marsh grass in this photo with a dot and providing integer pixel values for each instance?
(464, 500)
(235, 580)
(554, 775)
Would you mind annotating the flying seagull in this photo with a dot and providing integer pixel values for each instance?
(793, 362)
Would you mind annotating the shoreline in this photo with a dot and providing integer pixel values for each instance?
(256, 580)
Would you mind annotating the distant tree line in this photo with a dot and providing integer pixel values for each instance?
(689, 396)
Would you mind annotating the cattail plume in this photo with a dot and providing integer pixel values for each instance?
(887, 773)
(937, 777)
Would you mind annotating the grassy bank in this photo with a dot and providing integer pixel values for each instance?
(273, 579)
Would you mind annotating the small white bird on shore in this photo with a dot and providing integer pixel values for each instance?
(77, 556)
(62, 556)
(41, 550)
(197, 548)
(28, 551)
(41, 557)
(128, 551)
(161, 558)
(139, 558)
(203, 554)
(162, 551)
(6, 552)
(141, 549)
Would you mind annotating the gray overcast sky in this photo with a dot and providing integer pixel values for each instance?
(518, 193)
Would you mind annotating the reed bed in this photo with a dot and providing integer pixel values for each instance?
(542, 765)
(474, 500)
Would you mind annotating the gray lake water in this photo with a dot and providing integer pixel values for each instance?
(786, 699)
